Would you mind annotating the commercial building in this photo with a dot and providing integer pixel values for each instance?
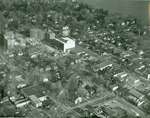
(62, 44)
(21, 102)
(20, 39)
(35, 101)
(103, 66)
(37, 94)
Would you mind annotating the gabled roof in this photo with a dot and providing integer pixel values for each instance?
(136, 93)
(105, 64)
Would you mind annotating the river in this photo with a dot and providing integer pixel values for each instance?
(138, 8)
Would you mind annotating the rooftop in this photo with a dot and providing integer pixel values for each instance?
(105, 64)
(37, 90)
(64, 39)
(136, 93)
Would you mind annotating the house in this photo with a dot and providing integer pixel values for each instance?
(5, 99)
(148, 76)
(136, 97)
(20, 39)
(100, 112)
(105, 65)
(127, 54)
(21, 85)
(141, 69)
(122, 76)
(136, 94)
(113, 87)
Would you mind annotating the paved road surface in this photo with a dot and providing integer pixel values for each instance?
(92, 101)
(132, 107)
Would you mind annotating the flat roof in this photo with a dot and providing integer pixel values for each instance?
(63, 39)
(105, 64)
(38, 91)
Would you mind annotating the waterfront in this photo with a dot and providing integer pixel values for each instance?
(137, 8)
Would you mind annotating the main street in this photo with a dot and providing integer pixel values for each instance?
(98, 100)
(132, 107)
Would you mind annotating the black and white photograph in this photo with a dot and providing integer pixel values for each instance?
(74, 58)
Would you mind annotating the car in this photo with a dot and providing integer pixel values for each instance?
(136, 113)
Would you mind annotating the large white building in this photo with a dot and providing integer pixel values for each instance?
(63, 44)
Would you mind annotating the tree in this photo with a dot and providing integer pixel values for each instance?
(3, 80)
(7, 110)
(12, 87)
(63, 96)
(2, 22)
(2, 89)
(72, 87)
(146, 107)
(33, 76)
(14, 24)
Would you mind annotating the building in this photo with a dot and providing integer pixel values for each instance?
(51, 34)
(103, 66)
(136, 94)
(21, 102)
(122, 76)
(37, 34)
(5, 99)
(125, 54)
(35, 101)
(3, 43)
(20, 39)
(21, 85)
(14, 39)
(38, 91)
(65, 31)
(10, 37)
(56, 1)
(62, 44)
(136, 97)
